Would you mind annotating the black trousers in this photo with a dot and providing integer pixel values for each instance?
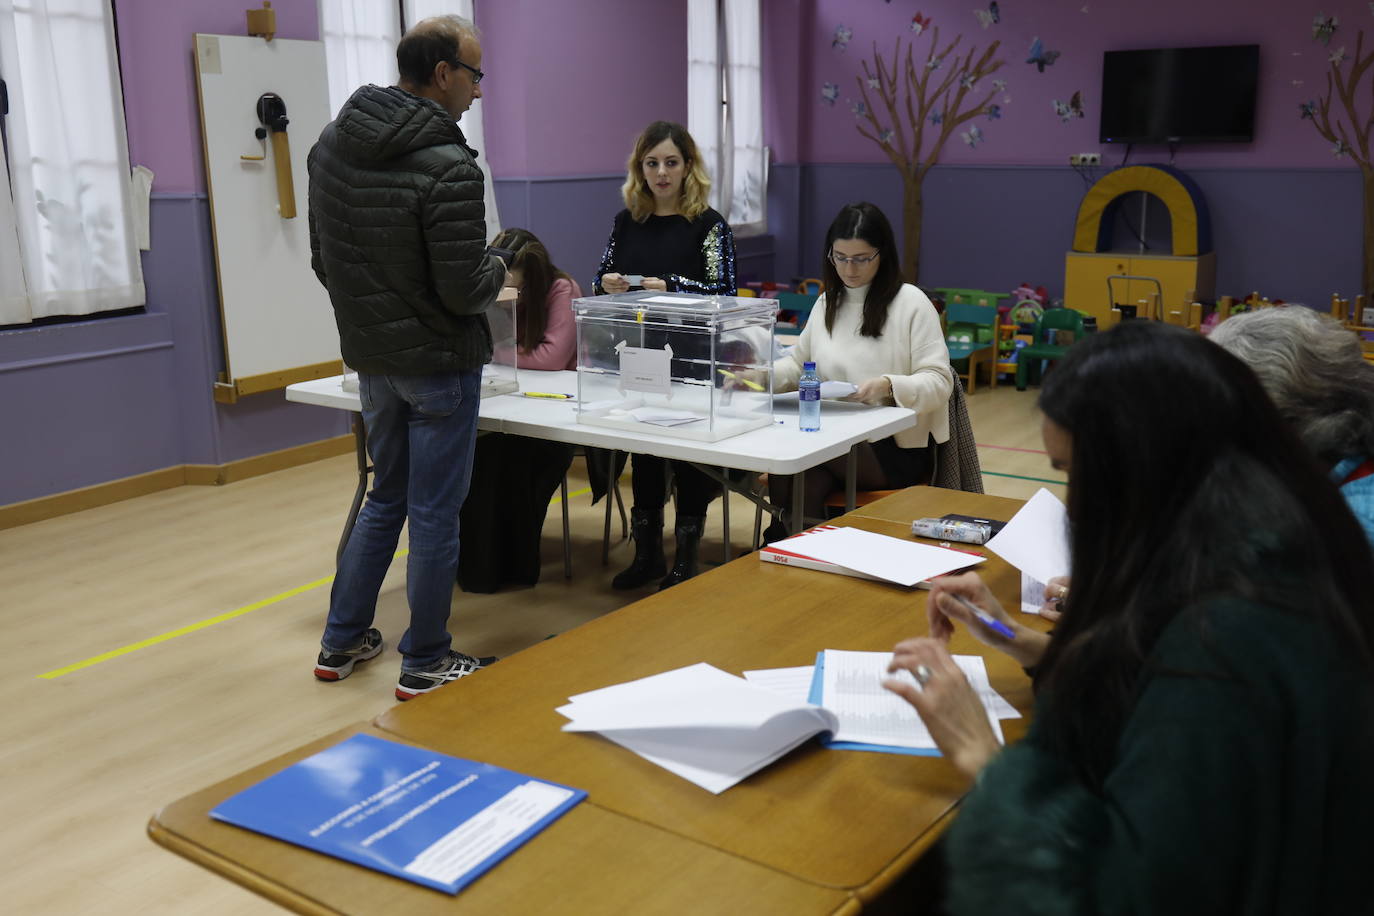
(502, 520)
(649, 482)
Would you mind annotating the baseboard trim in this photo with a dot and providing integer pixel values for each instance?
(46, 507)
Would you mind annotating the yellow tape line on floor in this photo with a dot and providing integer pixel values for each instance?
(211, 621)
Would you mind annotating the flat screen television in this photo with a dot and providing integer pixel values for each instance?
(1179, 95)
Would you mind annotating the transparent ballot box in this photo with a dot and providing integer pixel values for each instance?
(675, 364)
(499, 375)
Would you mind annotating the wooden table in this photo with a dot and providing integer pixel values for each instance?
(841, 819)
(819, 831)
(589, 861)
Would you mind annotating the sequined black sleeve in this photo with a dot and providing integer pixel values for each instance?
(718, 259)
(607, 257)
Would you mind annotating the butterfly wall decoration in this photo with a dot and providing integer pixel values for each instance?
(1039, 56)
(990, 16)
(1323, 27)
(843, 34)
(919, 23)
(973, 136)
(1071, 109)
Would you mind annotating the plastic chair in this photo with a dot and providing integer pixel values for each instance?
(810, 286)
(971, 336)
(1063, 322)
(799, 304)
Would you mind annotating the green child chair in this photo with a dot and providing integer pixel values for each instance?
(1063, 326)
(971, 336)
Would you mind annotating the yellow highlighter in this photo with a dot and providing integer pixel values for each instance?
(741, 379)
(547, 394)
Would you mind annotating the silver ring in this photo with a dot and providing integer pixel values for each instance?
(923, 674)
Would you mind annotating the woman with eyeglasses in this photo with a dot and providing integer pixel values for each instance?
(883, 335)
(514, 477)
(667, 238)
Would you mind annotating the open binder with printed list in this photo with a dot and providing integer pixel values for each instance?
(715, 729)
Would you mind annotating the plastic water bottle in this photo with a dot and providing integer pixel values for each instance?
(809, 399)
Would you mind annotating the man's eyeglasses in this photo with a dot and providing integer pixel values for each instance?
(840, 260)
(476, 74)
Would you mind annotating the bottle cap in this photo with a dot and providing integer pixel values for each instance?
(808, 367)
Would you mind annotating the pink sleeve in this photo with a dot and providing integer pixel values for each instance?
(558, 349)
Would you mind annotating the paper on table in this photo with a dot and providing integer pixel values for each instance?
(664, 416)
(793, 683)
(830, 390)
(1036, 540)
(869, 713)
(893, 559)
(698, 722)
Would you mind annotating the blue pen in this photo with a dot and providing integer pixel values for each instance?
(984, 617)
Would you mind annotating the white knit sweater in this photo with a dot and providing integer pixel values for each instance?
(911, 353)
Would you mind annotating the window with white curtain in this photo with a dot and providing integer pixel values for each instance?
(360, 39)
(725, 107)
(67, 238)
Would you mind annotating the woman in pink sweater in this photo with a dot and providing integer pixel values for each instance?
(513, 477)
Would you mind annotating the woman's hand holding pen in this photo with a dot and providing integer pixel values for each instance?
(614, 283)
(950, 708)
(965, 598)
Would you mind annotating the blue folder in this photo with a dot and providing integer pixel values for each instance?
(401, 810)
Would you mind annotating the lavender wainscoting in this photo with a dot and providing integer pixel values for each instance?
(180, 275)
(1292, 234)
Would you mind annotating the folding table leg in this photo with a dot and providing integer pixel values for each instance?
(360, 445)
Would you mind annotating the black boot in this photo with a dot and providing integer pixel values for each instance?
(646, 528)
(688, 535)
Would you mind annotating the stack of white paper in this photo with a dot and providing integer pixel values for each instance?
(699, 722)
(876, 556)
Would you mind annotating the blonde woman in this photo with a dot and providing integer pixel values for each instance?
(667, 238)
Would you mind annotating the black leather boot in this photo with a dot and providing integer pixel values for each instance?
(646, 529)
(688, 535)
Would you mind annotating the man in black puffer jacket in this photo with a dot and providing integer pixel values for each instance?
(398, 237)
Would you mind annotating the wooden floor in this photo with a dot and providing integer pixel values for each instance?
(200, 610)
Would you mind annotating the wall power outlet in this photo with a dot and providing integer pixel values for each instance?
(1085, 159)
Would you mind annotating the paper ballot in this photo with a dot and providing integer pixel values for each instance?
(699, 722)
(1036, 539)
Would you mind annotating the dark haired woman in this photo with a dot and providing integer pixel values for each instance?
(874, 331)
(668, 238)
(514, 477)
(1204, 726)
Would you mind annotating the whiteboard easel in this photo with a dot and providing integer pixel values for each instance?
(278, 324)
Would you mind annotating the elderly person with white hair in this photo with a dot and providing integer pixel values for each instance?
(1315, 372)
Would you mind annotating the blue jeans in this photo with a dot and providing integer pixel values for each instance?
(420, 435)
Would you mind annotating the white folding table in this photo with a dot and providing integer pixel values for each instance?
(779, 449)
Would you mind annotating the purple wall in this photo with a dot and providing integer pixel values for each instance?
(572, 84)
(1293, 68)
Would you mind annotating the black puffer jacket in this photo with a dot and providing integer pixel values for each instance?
(398, 236)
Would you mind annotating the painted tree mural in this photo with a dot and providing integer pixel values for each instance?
(920, 105)
(1338, 119)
